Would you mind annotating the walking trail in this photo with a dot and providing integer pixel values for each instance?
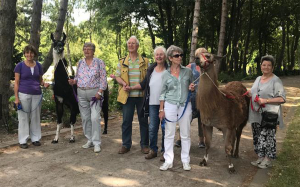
(66, 164)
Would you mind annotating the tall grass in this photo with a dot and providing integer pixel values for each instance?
(286, 170)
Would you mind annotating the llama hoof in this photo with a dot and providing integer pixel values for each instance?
(54, 141)
(72, 140)
(235, 156)
(104, 132)
(203, 163)
(231, 170)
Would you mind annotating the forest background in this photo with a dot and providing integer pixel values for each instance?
(252, 28)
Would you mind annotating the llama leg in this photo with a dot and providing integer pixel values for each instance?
(208, 137)
(57, 134)
(230, 134)
(72, 138)
(238, 138)
(72, 123)
(105, 110)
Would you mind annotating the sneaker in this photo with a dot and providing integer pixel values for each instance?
(165, 166)
(36, 143)
(87, 145)
(258, 161)
(186, 166)
(151, 154)
(266, 163)
(178, 143)
(97, 149)
(24, 146)
(201, 145)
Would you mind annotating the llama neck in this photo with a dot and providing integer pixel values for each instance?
(208, 89)
(57, 57)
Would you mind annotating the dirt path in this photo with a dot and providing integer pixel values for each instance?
(67, 164)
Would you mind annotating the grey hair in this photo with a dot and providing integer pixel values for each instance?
(268, 58)
(134, 37)
(160, 48)
(173, 49)
(89, 44)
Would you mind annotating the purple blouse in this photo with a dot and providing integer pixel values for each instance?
(29, 84)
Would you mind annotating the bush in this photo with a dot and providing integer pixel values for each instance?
(113, 94)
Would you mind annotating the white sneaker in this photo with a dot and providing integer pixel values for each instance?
(87, 145)
(97, 149)
(258, 161)
(186, 166)
(266, 163)
(165, 166)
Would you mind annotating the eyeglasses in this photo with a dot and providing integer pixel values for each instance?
(178, 55)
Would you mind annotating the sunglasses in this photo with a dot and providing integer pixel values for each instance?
(178, 55)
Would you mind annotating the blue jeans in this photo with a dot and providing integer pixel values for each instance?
(128, 112)
(153, 128)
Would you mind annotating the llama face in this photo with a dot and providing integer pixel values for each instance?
(58, 46)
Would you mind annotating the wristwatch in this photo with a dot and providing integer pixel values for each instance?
(100, 93)
(161, 110)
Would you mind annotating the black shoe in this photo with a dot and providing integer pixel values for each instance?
(24, 146)
(201, 145)
(178, 143)
(37, 143)
(104, 132)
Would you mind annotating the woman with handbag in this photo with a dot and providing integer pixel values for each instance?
(267, 95)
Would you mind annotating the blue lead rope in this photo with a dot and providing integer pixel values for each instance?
(186, 103)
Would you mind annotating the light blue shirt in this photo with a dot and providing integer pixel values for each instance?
(175, 91)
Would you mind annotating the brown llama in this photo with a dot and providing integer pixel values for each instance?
(224, 108)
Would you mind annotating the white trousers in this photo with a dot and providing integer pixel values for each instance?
(29, 118)
(172, 113)
(90, 115)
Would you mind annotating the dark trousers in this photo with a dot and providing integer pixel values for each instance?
(128, 112)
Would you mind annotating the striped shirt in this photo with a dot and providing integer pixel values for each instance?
(133, 75)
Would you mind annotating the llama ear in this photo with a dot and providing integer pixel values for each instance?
(218, 58)
(52, 37)
(64, 37)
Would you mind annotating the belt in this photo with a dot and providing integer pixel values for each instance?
(86, 88)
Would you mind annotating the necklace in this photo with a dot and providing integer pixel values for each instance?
(175, 70)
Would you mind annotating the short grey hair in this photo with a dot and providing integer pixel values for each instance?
(134, 37)
(268, 58)
(173, 49)
(160, 48)
(89, 44)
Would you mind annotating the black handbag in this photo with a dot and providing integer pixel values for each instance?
(269, 120)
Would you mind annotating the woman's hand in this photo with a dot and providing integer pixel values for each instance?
(192, 87)
(262, 101)
(161, 115)
(72, 82)
(17, 101)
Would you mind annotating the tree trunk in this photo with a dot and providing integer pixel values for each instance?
(279, 62)
(36, 24)
(248, 37)
(162, 22)
(222, 33)
(8, 17)
(169, 23)
(195, 30)
(295, 43)
(150, 30)
(58, 32)
(186, 34)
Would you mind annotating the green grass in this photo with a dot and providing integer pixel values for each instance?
(286, 170)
